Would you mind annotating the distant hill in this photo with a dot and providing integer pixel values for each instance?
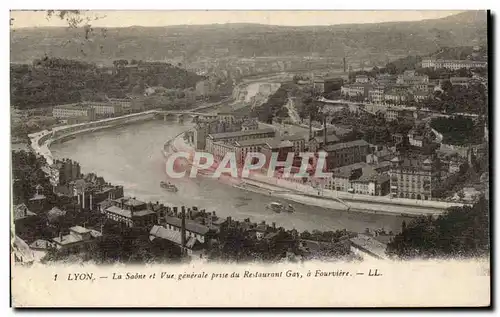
(358, 41)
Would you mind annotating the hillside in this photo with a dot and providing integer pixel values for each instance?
(65, 81)
(358, 41)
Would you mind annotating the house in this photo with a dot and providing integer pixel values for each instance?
(130, 212)
(79, 238)
(189, 236)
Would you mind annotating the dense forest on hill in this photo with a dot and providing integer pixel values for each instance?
(52, 81)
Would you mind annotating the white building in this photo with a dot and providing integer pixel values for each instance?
(452, 64)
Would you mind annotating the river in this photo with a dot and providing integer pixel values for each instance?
(131, 156)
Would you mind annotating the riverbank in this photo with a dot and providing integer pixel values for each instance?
(329, 199)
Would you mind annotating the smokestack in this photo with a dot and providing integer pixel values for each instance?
(274, 225)
(60, 236)
(90, 203)
(183, 230)
(324, 129)
(344, 65)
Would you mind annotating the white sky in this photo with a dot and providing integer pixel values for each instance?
(163, 18)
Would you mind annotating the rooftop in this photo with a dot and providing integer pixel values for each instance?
(40, 244)
(191, 225)
(369, 244)
(253, 142)
(128, 201)
(21, 211)
(170, 235)
(330, 138)
(339, 146)
(127, 213)
(79, 229)
(345, 171)
(277, 144)
(227, 135)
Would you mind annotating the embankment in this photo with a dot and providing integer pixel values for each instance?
(41, 141)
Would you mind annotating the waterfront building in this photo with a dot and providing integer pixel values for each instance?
(75, 110)
(414, 177)
(341, 154)
(298, 141)
(130, 212)
(64, 171)
(452, 64)
(238, 136)
(203, 129)
(106, 108)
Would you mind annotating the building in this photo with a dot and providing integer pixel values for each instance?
(238, 136)
(192, 228)
(106, 108)
(188, 235)
(394, 113)
(203, 88)
(362, 79)
(341, 154)
(421, 95)
(386, 79)
(249, 124)
(332, 84)
(319, 85)
(298, 141)
(64, 171)
(460, 81)
(452, 64)
(379, 156)
(130, 212)
(413, 177)
(74, 111)
(281, 147)
(376, 94)
(410, 78)
(318, 142)
(78, 239)
(356, 90)
(226, 117)
(203, 129)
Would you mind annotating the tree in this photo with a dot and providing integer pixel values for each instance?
(460, 232)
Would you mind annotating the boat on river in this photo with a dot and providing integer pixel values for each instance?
(278, 207)
(169, 186)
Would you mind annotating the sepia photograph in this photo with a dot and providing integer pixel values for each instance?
(216, 150)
